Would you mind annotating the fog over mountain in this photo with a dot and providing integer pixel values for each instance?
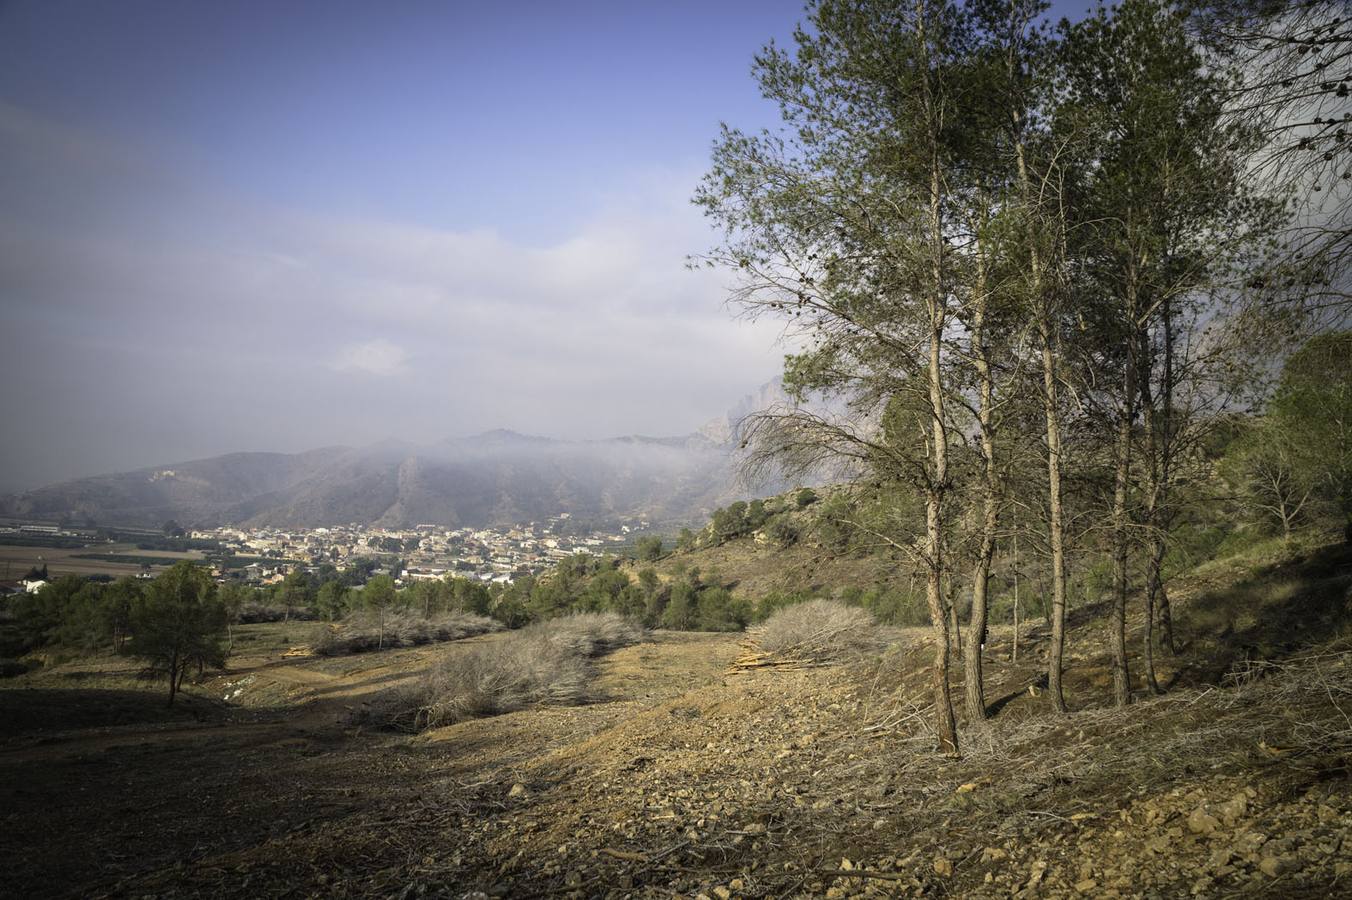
(497, 477)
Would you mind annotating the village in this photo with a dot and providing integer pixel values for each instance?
(411, 554)
(264, 556)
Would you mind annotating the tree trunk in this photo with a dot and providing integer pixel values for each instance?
(1166, 466)
(974, 683)
(1155, 456)
(1043, 305)
(1014, 653)
(174, 667)
(946, 725)
(1117, 625)
(1154, 594)
(943, 703)
(1055, 516)
(934, 546)
(954, 623)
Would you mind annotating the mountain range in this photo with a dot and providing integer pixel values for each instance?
(496, 478)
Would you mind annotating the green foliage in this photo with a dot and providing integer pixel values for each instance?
(295, 592)
(686, 540)
(773, 601)
(893, 605)
(782, 532)
(379, 593)
(681, 608)
(333, 600)
(717, 610)
(178, 624)
(805, 498)
(648, 549)
(73, 612)
(832, 529)
(470, 595)
(1312, 412)
(729, 522)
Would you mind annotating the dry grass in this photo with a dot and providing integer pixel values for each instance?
(817, 631)
(361, 632)
(547, 663)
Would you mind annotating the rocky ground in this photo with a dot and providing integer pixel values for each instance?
(690, 780)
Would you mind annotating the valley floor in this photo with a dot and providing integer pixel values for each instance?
(691, 780)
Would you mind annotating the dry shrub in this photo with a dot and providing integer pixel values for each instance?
(547, 663)
(817, 631)
(252, 612)
(593, 634)
(361, 631)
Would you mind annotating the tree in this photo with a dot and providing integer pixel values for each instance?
(379, 595)
(1156, 182)
(681, 609)
(843, 224)
(233, 596)
(295, 592)
(648, 549)
(117, 602)
(471, 596)
(1292, 87)
(1263, 467)
(429, 595)
(1312, 413)
(332, 599)
(179, 623)
(782, 532)
(685, 541)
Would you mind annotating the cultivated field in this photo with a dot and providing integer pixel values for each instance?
(16, 561)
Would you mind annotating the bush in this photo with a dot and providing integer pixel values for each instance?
(774, 601)
(648, 549)
(782, 532)
(545, 663)
(817, 631)
(896, 606)
(255, 611)
(361, 631)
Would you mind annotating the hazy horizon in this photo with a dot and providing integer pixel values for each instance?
(224, 229)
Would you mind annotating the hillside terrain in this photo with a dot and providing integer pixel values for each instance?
(693, 778)
(495, 478)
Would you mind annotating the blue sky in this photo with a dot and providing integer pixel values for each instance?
(276, 226)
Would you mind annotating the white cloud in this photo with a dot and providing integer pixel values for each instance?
(384, 328)
(377, 357)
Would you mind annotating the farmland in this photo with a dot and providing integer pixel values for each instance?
(97, 559)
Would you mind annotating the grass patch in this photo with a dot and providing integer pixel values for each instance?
(363, 631)
(130, 559)
(1277, 610)
(549, 663)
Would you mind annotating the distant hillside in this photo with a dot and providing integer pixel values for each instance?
(497, 477)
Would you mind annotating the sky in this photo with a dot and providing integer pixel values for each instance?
(250, 226)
